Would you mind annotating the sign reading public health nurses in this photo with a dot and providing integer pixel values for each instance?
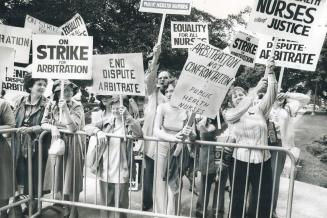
(245, 47)
(292, 54)
(166, 6)
(183, 34)
(40, 27)
(74, 27)
(205, 79)
(62, 57)
(291, 19)
(20, 39)
(118, 74)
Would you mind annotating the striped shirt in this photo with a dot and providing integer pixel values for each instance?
(248, 124)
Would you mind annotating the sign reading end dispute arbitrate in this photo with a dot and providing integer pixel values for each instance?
(166, 6)
(62, 57)
(118, 74)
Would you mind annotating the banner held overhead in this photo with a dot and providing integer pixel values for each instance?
(166, 6)
(40, 27)
(183, 34)
(20, 39)
(245, 47)
(205, 79)
(118, 74)
(62, 57)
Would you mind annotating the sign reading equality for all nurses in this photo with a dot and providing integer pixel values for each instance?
(39, 27)
(166, 6)
(205, 79)
(118, 74)
(291, 19)
(74, 27)
(292, 54)
(183, 34)
(62, 57)
(245, 47)
(20, 39)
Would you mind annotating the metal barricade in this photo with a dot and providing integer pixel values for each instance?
(14, 203)
(129, 207)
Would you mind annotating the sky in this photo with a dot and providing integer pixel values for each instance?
(221, 8)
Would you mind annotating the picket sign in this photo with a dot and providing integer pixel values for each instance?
(280, 79)
(162, 25)
(62, 87)
(122, 117)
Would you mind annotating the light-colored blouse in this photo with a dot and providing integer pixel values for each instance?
(248, 124)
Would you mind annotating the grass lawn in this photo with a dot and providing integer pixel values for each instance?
(308, 129)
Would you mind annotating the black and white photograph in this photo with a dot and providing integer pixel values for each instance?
(163, 108)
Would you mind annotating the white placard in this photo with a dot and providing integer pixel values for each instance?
(166, 6)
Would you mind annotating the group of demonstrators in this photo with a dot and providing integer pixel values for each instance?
(256, 118)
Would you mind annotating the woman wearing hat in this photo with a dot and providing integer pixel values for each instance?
(68, 182)
(113, 169)
(7, 121)
(28, 114)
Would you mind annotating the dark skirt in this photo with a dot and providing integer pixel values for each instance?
(6, 170)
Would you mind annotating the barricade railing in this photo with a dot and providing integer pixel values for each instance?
(12, 202)
(181, 210)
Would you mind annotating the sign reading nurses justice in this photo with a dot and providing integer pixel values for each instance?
(62, 57)
(291, 19)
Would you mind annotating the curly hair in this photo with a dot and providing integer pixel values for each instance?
(228, 99)
(29, 82)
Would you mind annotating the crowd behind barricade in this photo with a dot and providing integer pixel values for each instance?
(258, 117)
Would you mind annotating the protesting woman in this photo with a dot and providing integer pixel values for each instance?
(247, 120)
(169, 125)
(113, 167)
(28, 113)
(7, 121)
(283, 115)
(69, 181)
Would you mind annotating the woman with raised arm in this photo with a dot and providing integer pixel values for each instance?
(247, 120)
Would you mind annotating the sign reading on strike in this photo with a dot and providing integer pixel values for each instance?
(118, 74)
(62, 57)
(74, 27)
(183, 34)
(166, 6)
(245, 47)
(292, 54)
(40, 27)
(291, 19)
(206, 77)
(19, 39)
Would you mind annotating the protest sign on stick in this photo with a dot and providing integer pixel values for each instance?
(20, 39)
(74, 27)
(6, 64)
(62, 57)
(205, 79)
(289, 19)
(39, 27)
(183, 34)
(245, 47)
(292, 54)
(166, 6)
(118, 74)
